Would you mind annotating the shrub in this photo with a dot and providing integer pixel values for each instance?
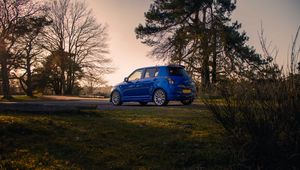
(262, 122)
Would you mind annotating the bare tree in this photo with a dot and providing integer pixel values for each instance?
(295, 52)
(12, 21)
(31, 55)
(75, 32)
(269, 54)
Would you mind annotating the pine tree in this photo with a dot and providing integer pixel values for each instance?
(200, 35)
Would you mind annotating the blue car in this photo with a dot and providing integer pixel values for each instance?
(158, 84)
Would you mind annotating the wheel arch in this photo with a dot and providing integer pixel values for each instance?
(115, 90)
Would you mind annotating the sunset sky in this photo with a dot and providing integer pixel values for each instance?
(280, 19)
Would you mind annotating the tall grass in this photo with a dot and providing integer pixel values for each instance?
(262, 122)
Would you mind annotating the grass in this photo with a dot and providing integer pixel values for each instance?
(21, 98)
(149, 138)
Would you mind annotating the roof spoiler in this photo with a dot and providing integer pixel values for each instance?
(176, 65)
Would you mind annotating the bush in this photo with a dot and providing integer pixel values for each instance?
(262, 122)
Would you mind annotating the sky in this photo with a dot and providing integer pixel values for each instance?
(280, 20)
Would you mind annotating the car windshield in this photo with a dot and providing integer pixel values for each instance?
(177, 71)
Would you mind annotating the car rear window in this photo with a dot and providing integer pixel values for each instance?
(177, 71)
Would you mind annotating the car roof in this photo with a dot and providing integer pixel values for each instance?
(170, 65)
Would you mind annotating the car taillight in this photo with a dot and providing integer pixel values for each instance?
(170, 81)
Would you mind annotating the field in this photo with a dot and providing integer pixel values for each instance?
(173, 137)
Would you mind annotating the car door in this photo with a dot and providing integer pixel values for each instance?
(148, 82)
(131, 87)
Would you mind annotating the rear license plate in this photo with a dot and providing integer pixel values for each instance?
(186, 91)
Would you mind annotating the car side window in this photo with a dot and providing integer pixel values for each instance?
(136, 75)
(151, 72)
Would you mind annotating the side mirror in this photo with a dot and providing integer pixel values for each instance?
(126, 79)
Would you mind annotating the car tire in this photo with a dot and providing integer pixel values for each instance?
(160, 97)
(187, 102)
(116, 98)
(143, 103)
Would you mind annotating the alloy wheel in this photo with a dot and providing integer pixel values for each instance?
(116, 98)
(160, 98)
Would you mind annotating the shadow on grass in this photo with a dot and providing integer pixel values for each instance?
(108, 140)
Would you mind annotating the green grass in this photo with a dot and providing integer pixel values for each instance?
(21, 98)
(151, 138)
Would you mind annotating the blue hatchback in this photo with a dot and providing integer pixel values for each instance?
(158, 84)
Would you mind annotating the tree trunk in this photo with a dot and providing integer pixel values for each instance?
(214, 67)
(57, 86)
(205, 74)
(214, 44)
(5, 77)
(29, 90)
(68, 82)
(63, 82)
(69, 89)
(214, 63)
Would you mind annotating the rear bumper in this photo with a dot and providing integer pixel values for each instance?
(180, 97)
(176, 93)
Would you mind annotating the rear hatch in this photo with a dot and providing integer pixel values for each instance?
(180, 76)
